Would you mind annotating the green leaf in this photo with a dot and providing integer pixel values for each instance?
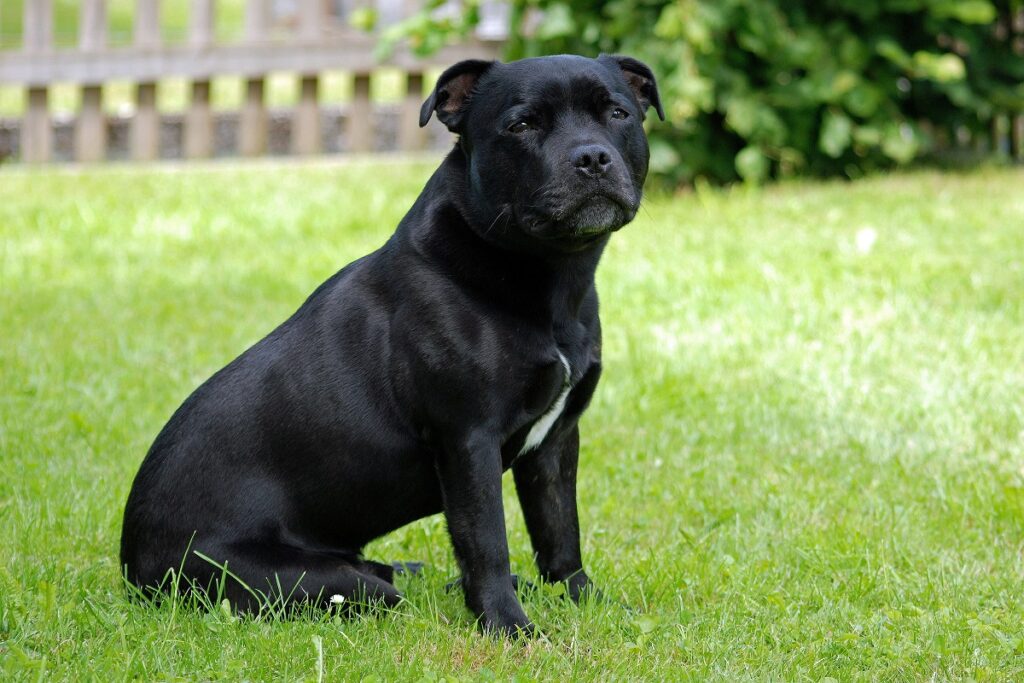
(670, 25)
(869, 136)
(557, 22)
(891, 50)
(950, 67)
(752, 164)
(742, 115)
(942, 68)
(844, 82)
(755, 120)
(664, 156)
(363, 18)
(863, 100)
(835, 133)
(899, 143)
(967, 11)
(646, 624)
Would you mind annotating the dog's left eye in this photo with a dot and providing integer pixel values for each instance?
(619, 113)
(519, 127)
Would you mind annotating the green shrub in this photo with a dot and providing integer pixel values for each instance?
(756, 89)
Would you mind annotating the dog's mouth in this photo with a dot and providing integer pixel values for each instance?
(586, 220)
(596, 216)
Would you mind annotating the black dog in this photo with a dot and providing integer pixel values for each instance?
(467, 345)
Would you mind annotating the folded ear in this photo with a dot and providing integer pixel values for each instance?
(639, 78)
(451, 94)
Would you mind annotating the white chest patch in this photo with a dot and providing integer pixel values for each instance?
(543, 424)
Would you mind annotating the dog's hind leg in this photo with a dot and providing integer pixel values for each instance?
(254, 575)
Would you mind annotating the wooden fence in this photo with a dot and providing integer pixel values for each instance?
(319, 39)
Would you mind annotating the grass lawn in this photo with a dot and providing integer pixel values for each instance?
(804, 461)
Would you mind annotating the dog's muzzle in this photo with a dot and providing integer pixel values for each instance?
(597, 216)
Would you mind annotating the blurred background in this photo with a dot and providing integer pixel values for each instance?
(754, 89)
(805, 460)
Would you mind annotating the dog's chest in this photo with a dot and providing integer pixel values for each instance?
(542, 425)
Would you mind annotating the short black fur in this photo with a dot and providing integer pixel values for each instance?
(412, 379)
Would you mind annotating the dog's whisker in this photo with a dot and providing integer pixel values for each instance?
(496, 219)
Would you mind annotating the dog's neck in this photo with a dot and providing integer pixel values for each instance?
(548, 283)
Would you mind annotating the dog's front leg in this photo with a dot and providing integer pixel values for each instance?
(546, 484)
(470, 477)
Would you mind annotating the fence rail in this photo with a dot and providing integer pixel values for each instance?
(318, 39)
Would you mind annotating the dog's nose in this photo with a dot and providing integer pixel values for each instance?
(591, 160)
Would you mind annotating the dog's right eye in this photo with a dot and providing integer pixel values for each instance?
(519, 127)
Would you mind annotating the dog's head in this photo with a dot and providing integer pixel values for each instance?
(555, 147)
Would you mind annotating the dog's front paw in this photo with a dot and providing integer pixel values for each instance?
(508, 626)
(580, 587)
(502, 615)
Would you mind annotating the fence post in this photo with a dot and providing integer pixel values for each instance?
(199, 117)
(91, 127)
(306, 121)
(36, 134)
(311, 19)
(360, 122)
(410, 135)
(146, 122)
(199, 123)
(252, 132)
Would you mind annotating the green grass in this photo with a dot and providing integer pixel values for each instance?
(804, 461)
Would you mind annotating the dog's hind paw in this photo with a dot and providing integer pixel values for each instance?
(410, 568)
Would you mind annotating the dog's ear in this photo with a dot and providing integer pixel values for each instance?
(452, 92)
(640, 80)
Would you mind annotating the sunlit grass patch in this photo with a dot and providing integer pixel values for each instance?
(804, 460)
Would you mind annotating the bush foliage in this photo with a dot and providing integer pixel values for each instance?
(757, 89)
